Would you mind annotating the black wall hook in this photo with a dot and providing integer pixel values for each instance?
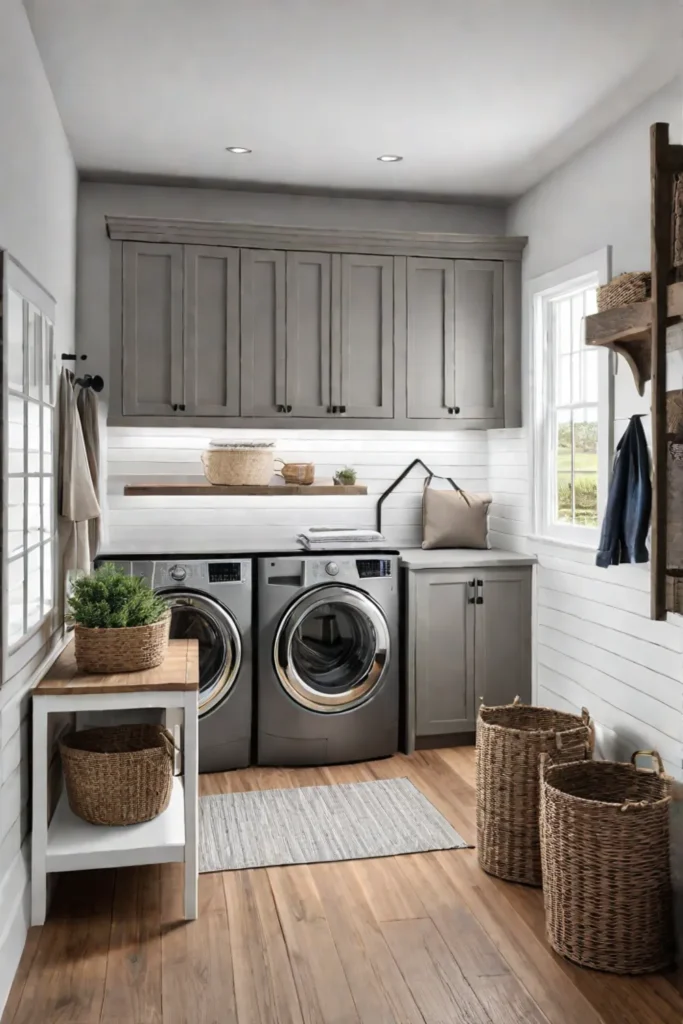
(94, 383)
(72, 356)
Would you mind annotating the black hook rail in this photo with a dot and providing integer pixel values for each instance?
(88, 381)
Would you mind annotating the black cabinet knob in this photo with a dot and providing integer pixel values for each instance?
(342, 408)
(288, 408)
(456, 410)
(175, 407)
(182, 407)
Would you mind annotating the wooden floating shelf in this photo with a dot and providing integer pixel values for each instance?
(627, 330)
(203, 490)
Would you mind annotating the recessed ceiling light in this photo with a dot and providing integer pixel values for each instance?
(389, 158)
(237, 149)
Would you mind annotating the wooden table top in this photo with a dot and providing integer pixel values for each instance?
(179, 671)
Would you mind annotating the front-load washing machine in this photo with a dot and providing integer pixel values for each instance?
(211, 601)
(328, 667)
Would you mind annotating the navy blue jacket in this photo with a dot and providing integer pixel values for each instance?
(627, 516)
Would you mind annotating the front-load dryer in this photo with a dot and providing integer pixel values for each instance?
(211, 601)
(328, 666)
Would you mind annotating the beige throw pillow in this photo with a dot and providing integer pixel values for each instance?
(454, 519)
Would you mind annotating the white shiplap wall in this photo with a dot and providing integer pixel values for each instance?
(508, 481)
(377, 455)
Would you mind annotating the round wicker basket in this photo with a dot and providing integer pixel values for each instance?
(128, 649)
(510, 739)
(238, 465)
(606, 873)
(118, 774)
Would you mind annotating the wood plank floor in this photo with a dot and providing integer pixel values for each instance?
(423, 939)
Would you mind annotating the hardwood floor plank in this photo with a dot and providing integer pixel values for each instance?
(133, 985)
(65, 984)
(377, 985)
(196, 965)
(531, 961)
(265, 992)
(20, 978)
(324, 993)
(461, 761)
(390, 896)
(437, 983)
(503, 997)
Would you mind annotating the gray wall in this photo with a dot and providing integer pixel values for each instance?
(594, 642)
(38, 190)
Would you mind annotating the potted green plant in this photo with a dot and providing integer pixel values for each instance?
(345, 477)
(121, 625)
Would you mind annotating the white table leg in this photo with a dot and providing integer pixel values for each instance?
(39, 835)
(191, 783)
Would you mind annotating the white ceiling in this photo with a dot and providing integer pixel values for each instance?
(482, 97)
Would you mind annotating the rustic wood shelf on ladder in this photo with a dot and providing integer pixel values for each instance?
(638, 332)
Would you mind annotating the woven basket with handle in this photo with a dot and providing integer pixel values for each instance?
(623, 290)
(118, 774)
(606, 873)
(510, 739)
(127, 649)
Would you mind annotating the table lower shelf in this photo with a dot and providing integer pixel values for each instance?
(76, 845)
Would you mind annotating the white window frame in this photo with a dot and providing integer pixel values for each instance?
(588, 271)
(29, 646)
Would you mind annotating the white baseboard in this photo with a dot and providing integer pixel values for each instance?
(15, 917)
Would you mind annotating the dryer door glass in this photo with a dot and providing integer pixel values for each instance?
(332, 648)
(197, 617)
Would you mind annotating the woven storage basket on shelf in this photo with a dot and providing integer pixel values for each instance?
(118, 774)
(127, 649)
(606, 873)
(509, 741)
(624, 289)
(239, 465)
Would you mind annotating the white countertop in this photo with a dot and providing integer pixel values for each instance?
(461, 558)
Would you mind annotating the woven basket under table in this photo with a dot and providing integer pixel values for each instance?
(606, 872)
(510, 739)
(118, 774)
(127, 649)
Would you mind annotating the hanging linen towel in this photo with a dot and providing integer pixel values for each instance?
(77, 498)
(87, 406)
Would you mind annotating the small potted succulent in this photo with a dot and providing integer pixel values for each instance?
(121, 625)
(345, 477)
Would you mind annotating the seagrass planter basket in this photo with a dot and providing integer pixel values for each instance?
(124, 649)
(510, 740)
(624, 289)
(606, 873)
(118, 774)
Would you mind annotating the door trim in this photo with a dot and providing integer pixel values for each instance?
(292, 618)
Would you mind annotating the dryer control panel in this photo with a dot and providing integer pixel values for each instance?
(373, 568)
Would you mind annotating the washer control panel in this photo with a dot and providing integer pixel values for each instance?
(373, 568)
(225, 572)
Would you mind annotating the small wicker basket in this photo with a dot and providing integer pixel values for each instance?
(606, 874)
(128, 649)
(510, 739)
(118, 774)
(238, 465)
(623, 290)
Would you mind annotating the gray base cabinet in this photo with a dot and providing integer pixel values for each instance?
(265, 336)
(468, 643)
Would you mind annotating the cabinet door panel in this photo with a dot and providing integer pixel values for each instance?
(479, 339)
(367, 336)
(152, 328)
(431, 338)
(263, 321)
(444, 654)
(212, 330)
(503, 637)
(309, 324)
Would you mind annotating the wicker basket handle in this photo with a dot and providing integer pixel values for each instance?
(585, 716)
(543, 763)
(516, 701)
(170, 744)
(654, 754)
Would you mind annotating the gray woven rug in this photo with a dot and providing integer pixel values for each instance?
(351, 821)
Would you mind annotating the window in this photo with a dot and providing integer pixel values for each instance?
(29, 430)
(572, 404)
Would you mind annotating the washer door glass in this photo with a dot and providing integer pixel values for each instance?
(197, 617)
(332, 648)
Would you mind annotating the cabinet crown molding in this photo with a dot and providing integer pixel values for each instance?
(258, 236)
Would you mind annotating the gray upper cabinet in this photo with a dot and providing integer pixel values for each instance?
(479, 340)
(503, 636)
(366, 373)
(443, 620)
(251, 323)
(309, 334)
(152, 328)
(264, 325)
(430, 369)
(212, 331)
